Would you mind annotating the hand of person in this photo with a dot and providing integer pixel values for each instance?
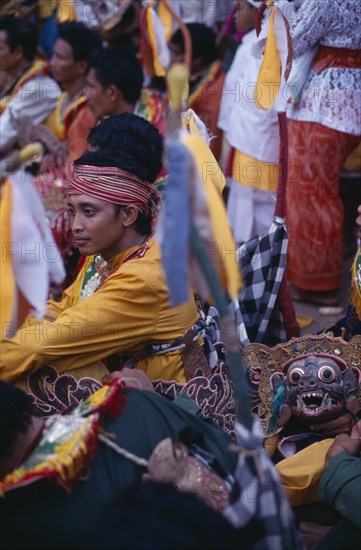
(133, 378)
(350, 444)
(356, 431)
(313, 533)
(341, 425)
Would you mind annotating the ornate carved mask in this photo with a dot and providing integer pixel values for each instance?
(318, 387)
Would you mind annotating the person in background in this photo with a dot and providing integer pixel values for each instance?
(65, 133)
(253, 135)
(28, 90)
(71, 121)
(324, 127)
(114, 85)
(206, 78)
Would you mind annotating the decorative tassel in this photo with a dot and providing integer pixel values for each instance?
(177, 83)
(270, 71)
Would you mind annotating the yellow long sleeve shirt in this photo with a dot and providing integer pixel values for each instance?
(130, 310)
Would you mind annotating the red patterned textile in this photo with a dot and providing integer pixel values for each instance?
(342, 58)
(313, 205)
(113, 185)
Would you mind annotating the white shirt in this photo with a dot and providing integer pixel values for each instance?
(248, 129)
(36, 99)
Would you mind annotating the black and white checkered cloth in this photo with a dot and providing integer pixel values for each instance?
(262, 262)
(259, 500)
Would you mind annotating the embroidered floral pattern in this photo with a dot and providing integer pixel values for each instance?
(95, 276)
(99, 270)
(52, 392)
(214, 396)
(333, 97)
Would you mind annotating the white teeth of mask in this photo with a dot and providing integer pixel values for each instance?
(326, 402)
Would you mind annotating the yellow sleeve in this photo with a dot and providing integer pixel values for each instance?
(120, 316)
(54, 308)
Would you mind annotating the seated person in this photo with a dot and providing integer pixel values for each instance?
(97, 471)
(115, 85)
(206, 78)
(28, 91)
(119, 302)
(69, 124)
(69, 67)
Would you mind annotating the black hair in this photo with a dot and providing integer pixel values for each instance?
(203, 42)
(81, 39)
(144, 222)
(131, 143)
(15, 416)
(128, 142)
(120, 67)
(20, 33)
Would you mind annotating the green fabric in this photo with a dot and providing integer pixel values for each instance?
(147, 419)
(187, 404)
(343, 536)
(340, 489)
(90, 272)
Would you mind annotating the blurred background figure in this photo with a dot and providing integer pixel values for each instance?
(114, 85)
(253, 135)
(324, 127)
(206, 78)
(27, 90)
(69, 66)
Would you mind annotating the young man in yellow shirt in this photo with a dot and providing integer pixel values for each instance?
(118, 305)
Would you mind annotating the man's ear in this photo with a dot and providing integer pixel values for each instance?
(19, 52)
(130, 214)
(113, 93)
(82, 67)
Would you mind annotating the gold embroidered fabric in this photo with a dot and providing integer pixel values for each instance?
(171, 463)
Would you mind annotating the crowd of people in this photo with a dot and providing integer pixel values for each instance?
(107, 416)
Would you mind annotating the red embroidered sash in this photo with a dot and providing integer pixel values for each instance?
(340, 58)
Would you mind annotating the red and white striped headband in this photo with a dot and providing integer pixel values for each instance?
(112, 185)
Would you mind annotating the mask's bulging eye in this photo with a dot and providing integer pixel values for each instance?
(295, 375)
(326, 374)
